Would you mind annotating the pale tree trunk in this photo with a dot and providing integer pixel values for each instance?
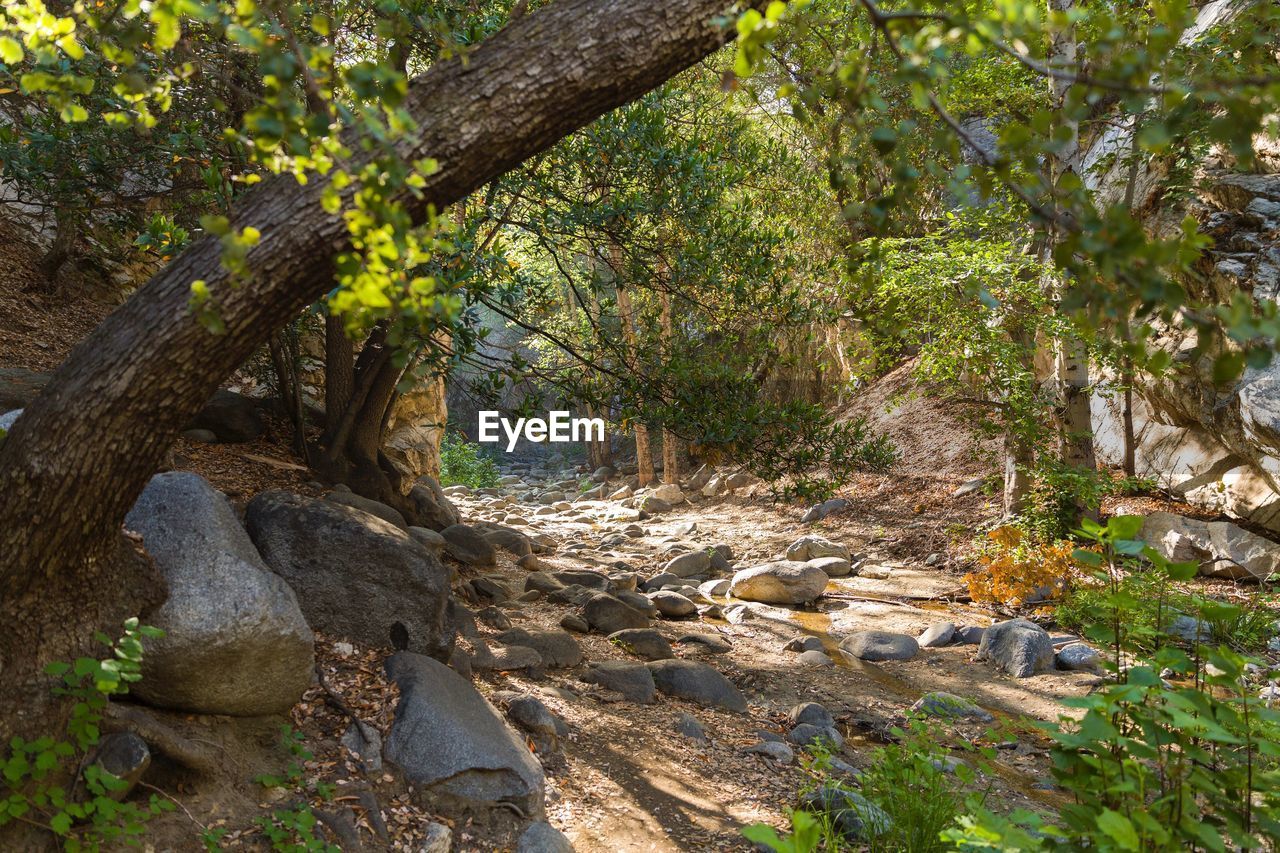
(670, 444)
(644, 455)
(1070, 356)
(630, 343)
(76, 460)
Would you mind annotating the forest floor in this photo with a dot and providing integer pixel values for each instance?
(625, 779)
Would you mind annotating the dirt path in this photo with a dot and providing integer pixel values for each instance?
(628, 780)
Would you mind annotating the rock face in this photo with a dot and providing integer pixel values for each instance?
(1223, 549)
(356, 576)
(235, 638)
(454, 745)
(1019, 647)
(880, 646)
(1216, 445)
(782, 582)
(697, 682)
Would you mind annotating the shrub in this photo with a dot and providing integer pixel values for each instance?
(1016, 569)
(41, 776)
(464, 464)
(1152, 765)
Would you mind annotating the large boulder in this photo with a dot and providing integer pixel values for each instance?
(781, 582)
(235, 638)
(230, 416)
(356, 576)
(454, 746)
(1019, 647)
(377, 509)
(697, 682)
(468, 545)
(1221, 548)
(435, 510)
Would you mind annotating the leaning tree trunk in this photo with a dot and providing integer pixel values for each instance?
(73, 464)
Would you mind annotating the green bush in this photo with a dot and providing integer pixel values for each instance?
(1185, 764)
(42, 776)
(464, 464)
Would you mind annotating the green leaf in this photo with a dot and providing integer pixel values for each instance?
(1119, 828)
(10, 50)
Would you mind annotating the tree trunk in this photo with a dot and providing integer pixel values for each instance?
(1070, 357)
(339, 371)
(644, 455)
(1018, 458)
(670, 444)
(73, 464)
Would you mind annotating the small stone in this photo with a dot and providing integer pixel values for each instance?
(1079, 657)
(124, 755)
(807, 734)
(880, 646)
(643, 642)
(672, 605)
(574, 622)
(812, 713)
(609, 615)
(815, 659)
(775, 751)
(542, 837)
(940, 704)
(937, 635)
(804, 644)
(697, 682)
(688, 725)
(834, 567)
(688, 565)
(436, 838)
(632, 680)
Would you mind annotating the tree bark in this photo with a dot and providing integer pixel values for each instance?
(670, 444)
(1070, 356)
(339, 371)
(626, 314)
(75, 461)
